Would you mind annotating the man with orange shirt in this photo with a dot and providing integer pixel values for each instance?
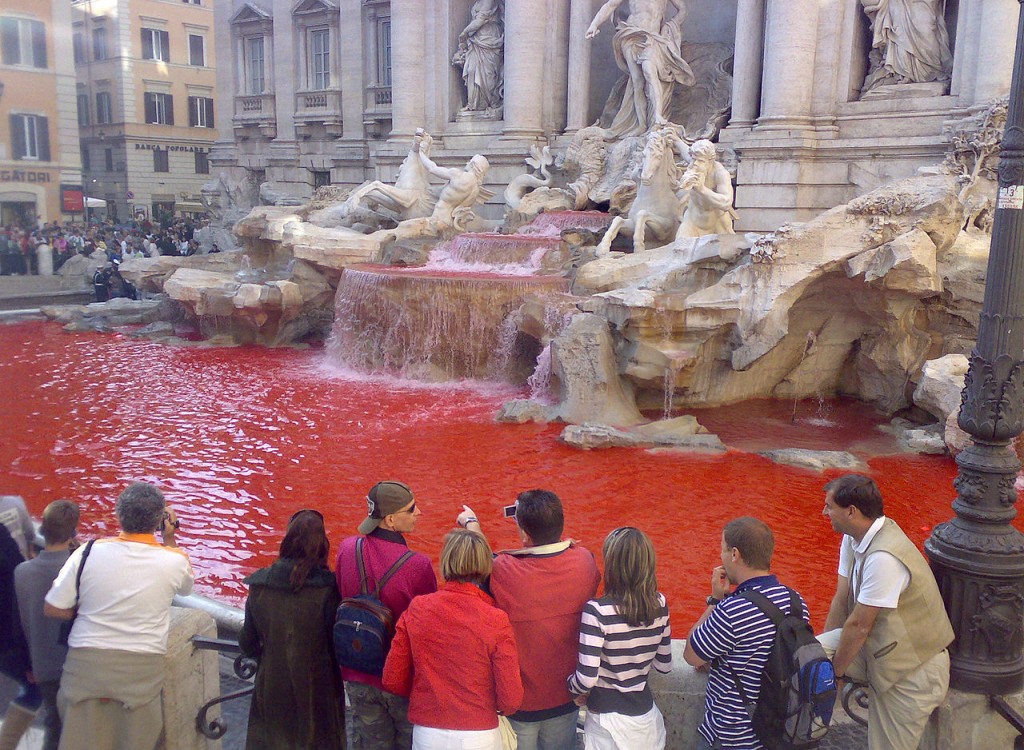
(543, 587)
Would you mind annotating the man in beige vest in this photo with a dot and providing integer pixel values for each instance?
(887, 625)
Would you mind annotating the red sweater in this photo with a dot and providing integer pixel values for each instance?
(381, 550)
(454, 656)
(543, 590)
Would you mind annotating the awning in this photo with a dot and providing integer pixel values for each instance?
(191, 207)
(95, 203)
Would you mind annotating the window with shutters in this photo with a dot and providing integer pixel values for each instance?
(86, 166)
(160, 161)
(200, 112)
(254, 64)
(202, 162)
(108, 159)
(196, 50)
(159, 108)
(319, 59)
(155, 45)
(22, 42)
(83, 109)
(104, 109)
(30, 137)
(99, 44)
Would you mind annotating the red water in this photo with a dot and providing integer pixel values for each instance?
(242, 438)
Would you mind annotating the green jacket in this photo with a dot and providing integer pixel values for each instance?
(298, 702)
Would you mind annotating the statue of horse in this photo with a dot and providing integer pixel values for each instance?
(655, 210)
(411, 197)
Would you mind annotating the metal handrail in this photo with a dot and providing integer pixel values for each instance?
(244, 668)
(1015, 719)
(857, 694)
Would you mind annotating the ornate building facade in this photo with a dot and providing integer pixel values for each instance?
(39, 161)
(815, 105)
(145, 102)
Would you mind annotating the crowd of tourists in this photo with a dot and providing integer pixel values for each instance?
(504, 653)
(135, 239)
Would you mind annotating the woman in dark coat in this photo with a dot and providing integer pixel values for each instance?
(289, 616)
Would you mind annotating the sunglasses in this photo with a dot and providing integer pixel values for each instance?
(410, 509)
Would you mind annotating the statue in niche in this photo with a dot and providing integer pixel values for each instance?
(909, 43)
(647, 49)
(706, 192)
(481, 56)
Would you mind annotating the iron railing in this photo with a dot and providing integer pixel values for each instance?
(245, 669)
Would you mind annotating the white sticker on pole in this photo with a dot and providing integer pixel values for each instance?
(1011, 196)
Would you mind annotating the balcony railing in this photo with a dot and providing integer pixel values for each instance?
(254, 109)
(378, 100)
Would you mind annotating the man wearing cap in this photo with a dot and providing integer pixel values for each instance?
(380, 721)
(543, 587)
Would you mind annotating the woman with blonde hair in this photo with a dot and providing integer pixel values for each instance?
(622, 635)
(454, 655)
(289, 619)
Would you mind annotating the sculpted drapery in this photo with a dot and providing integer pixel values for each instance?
(909, 40)
(481, 57)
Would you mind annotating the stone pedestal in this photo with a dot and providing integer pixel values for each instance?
(193, 678)
(965, 721)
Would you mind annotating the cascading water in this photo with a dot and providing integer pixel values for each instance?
(426, 325)
(450, 318)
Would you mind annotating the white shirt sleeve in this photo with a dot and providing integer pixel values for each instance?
(62, 593)
(883, 579)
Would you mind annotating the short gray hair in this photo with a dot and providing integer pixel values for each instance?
(140, 508)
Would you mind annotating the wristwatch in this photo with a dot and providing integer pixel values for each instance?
(712, 601)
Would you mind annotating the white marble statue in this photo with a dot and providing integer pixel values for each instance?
(655, 209)
(454, 208)
(539, 160)
(909, 41)
(706, 192)
(410, 197)
(647, 49)
(481, 56)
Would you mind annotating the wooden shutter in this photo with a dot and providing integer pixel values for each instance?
(147, 44)
(149, 100)
(39, 44)
(169, 107)
(192, 119)
(18, 136)
(208, 103)
(43, 137)
(9, 41)
(165, 45)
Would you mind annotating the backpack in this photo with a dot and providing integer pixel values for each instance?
(363, 624)
(798, 684)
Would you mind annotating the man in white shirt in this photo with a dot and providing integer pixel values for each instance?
(887, 625)
(114, 672)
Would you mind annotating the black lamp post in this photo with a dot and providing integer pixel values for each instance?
(978, 557)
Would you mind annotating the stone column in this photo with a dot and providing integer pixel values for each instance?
(994, 47)
(791, 36)
(350, 69)
(281, 66)
(580, 15)
(524, 67)
(747, 62)
(408, 58)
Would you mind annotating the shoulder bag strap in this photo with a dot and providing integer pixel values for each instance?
(766, 605)
(391, 571)
(81, 567)
(361, 565)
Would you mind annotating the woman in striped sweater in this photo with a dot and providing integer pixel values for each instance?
(622, 634)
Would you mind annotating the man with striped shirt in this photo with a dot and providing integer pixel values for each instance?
(735, 636)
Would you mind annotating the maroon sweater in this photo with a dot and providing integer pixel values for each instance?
(381, 549)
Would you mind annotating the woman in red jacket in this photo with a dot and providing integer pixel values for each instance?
(454, 655)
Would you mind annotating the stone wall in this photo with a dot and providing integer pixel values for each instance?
(193, 678)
